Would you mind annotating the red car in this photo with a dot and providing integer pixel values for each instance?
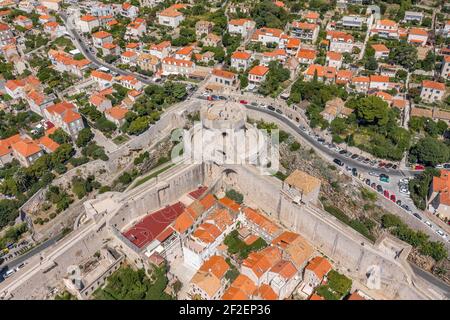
(419, 167)
(209, 98)
(381, 164)
(386, 193)
(393, 198)
(243, 102)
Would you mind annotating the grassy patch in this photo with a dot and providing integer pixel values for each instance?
(151, 176)
(237, 246)
(362, 226)
(120, 139)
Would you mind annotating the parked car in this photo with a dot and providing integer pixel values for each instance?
(271, 108)
(415, 214)
(379, 188)
(384, 178)
(373, 185)
(393, 198)
(428, 223)
(354, 156)
(374, 174)
(439, 232)
(354, 172)
(406, 207)
(338, 162)
(381, 164)
(368, 182)
(342, 152)
(389, 165)
(419, 167)
(399, 202)
(243, 102)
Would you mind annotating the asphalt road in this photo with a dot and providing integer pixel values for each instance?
(348, 161)
(88, 54)
(432, 279)
(13, 263)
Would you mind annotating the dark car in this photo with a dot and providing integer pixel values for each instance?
(368, 182)
(354, 172)
(379, 188)
(279, 111)
(415, 214)
(354, 156)
(271, 108)
(338, 162)
(389, 165)
(373, 185)
(405, 206)
(394, 167)
(381, 164)
(399, 202)
(342, 152)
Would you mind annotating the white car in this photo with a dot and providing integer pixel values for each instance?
(374, 174)
(441, 233)
(404, 180)
(428, 223)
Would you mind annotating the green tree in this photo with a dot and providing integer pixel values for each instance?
(372, 110)
(429, 151)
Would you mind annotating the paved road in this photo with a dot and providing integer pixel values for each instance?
(353, 163)
(88, 54)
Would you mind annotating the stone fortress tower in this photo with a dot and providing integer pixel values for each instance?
(224, 137)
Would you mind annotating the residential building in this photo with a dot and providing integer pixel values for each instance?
(148, 62)
(259, 224)
(101, 37)
(334, 59)
(275, 55)
(306, 56)
(432, 91)
(23, 22)
(243, 27)
(258, 264)
(305, 31)
(324, 74)
(103, 79)
(54, 29)
(136, 29)
(52, 4)
(315, 273)
(63, 62)
(439, 195)
(268, 35)
(65, 116)
(413, 16)
(176, 66)
(86, 23)
(418, 36)
(6, 35)
(302, 187)
(212, 40)
(344, 77)
(224, 78)
(361, 84)
(160, 50)
(129, 57)
(353, 21)
(109, 48)
(117, 115)
(379, 82)
(171, 17)
(340, 41)
(202, 28)
(386, 28)
(242, 288)
(241, 60)
(335, 108)
(184, 53)
(129, 11)
(381, 51)
(257, 74)
(445, 70)
(209, 282)
(130, 82)
(26, 151)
